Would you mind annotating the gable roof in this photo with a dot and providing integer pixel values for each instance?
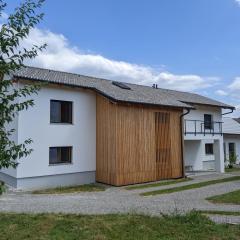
(138, 93)
(237, 119)
(231, 126)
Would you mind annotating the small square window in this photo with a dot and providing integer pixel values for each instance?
(60, 111)
(58, 155)
(209, 149)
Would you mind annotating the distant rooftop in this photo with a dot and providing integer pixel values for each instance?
(231, 126)
(135, 94)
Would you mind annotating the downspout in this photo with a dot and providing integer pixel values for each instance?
(182, 140)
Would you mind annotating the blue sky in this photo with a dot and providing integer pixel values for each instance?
(191, 45)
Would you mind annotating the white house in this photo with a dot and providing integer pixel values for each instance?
(231, 137)
(203, 139)
(80, 124)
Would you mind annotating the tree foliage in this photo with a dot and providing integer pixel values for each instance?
(12, 56)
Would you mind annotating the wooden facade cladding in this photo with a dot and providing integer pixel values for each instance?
(136, 143)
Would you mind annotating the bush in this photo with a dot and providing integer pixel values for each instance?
(232, 160)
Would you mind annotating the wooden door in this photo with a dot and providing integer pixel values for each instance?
(163, 145)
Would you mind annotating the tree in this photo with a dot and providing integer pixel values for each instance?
(16, 28)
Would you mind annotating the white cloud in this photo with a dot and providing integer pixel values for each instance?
(238, 2)
(235, 85)
(221, 92)
(3, 16)
(60, 55)
(233, 90)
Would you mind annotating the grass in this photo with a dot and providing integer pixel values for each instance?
(158, 184)
(72, 189)
(191, 186)
(231, 198)
(228, 213)
(111, 227)
(234, 169)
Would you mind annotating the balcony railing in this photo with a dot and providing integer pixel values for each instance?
(197, 127)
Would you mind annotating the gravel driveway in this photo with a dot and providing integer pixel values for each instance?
(119, 200)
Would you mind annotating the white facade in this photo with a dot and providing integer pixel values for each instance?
(196, 137)
(14, 137)
(81, 135)
(34, 123)
(231, 135)
(235, 139)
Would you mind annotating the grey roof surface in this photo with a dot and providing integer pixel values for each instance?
(237, 119)
(137, 94)
(231, 126)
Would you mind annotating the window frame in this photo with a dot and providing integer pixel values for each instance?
(70, 122)
(61, 163)
(224, 151)
(208, 125)
(211, 152)
(234, 148)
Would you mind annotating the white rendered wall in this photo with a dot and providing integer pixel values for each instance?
(193, 154)
(14, 137)
(194, 146)
(81, 135)
(219, 155)
(230, 138)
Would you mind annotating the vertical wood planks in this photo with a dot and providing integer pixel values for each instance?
(136, 143)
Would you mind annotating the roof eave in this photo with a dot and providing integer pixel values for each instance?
(15, 77)
(212, 105)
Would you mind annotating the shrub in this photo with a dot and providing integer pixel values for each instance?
(232, 160)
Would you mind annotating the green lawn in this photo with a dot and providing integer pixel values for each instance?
(231, 197)
(232, 170)
(158, 184)
(72, 189)
(110, 227)
(191, 186)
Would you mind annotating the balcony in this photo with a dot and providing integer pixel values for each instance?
(196, 127)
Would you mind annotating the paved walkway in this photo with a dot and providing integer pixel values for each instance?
(120, 200)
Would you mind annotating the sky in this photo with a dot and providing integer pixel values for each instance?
(187, 45)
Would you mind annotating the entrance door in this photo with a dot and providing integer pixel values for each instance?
(163, 145)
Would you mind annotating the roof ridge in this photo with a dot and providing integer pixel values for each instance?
(141, 93)
(105, 79)
(77, 74)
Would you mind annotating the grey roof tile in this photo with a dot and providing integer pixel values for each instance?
(230, 126)
(137, 94)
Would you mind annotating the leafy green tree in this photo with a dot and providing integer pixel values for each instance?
(12, 56)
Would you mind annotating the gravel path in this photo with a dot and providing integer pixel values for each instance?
(225, 219)
(120, 200)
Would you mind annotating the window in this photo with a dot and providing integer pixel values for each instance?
(224, 150)
(60, 111)
(58, 155)
(231, 149)
(207, 121)
(209, 149)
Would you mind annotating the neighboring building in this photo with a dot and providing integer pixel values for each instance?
(231, 137)
(87, 129)
(203, 140)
